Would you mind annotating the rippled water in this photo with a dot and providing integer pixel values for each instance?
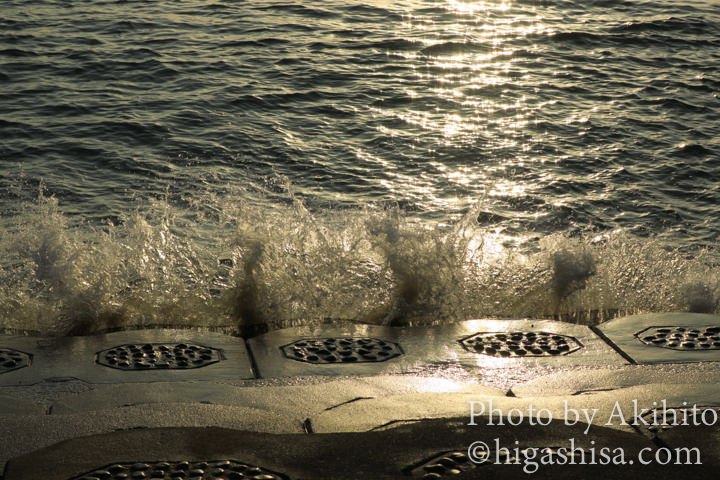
(269, 162)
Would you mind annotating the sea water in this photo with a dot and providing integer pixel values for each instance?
(271, 163)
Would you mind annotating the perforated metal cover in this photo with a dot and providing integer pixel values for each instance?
(159, 356)
(521, 344)
(444, 465)
(341, 350)
(682, 338)
(450, 464)
(210, 470)
(11, 359)
(659, 420)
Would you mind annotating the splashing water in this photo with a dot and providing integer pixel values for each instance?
(527, 144)
(225, 261)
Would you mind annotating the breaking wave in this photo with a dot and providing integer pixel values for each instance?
(235, 261)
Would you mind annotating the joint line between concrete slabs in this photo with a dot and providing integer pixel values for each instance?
(612, 345)
(253, 363)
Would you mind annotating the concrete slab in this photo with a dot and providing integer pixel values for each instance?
(397, 453)
(565, 344)
(374, 414)
(615, 409)
(584, 380)
(405, 416)
(666, 337)
(139, 356)
(465, 348)
(76, 409)
(366, 415)
(653, 408)
(26, 433)
(10, 405)
(48, 391)
(298, 400)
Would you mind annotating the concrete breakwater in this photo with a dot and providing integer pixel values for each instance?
(476, 399)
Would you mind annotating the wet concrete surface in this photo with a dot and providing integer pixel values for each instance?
(666, 338)
(289, 401)
(438, 348)
(79, 358)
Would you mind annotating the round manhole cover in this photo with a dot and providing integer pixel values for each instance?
(148, 356)
(12, 360)
(341, 350)
(211, 470)
(521, 344)
(682, 338)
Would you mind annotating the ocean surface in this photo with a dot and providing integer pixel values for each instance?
(269, 163)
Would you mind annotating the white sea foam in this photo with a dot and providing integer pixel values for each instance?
(212, 260)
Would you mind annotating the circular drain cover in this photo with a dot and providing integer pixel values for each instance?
(341, 350)
(682, 338)
(147, 356)
(12, 360)
(659, 420)
(212, 470)
(445, 465)
(521, 344)
(450, 464)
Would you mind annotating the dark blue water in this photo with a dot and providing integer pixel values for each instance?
(194, 162)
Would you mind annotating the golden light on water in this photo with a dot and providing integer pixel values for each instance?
(460, 91)
(508, 188)
(474, 8)
(462, 71)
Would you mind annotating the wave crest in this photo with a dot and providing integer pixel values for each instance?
(221, 261)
